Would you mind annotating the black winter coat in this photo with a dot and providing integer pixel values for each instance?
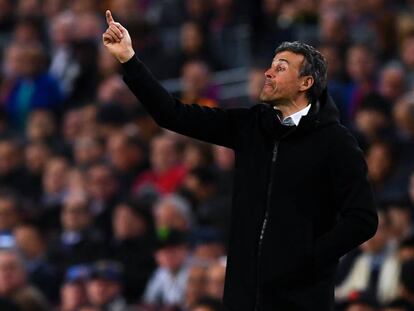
(301, 198)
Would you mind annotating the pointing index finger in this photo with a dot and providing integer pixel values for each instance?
(109, 18)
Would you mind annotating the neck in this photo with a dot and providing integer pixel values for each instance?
(292, 106)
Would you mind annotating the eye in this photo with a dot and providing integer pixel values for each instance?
(280, 68)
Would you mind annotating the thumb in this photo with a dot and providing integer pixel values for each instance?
(109, 18)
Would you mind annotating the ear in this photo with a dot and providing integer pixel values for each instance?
(306, 83)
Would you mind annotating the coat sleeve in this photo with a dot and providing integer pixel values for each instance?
(352, 195)
(213, 125)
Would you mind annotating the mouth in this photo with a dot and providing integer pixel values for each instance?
(268, 84)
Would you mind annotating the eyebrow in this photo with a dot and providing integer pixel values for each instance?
(281, 59)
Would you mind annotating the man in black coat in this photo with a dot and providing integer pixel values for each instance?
(301, 197)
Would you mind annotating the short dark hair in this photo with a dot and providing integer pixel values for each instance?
(314, 65)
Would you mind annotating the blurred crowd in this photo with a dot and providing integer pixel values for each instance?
(100, 209)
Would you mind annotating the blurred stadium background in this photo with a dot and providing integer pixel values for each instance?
(100, 209)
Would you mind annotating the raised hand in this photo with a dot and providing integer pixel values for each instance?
(117, 40)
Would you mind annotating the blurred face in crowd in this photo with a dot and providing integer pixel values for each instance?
(400, 221)
(379, 161)
(12, 273)
(101, 182)
(196, 284)
(164, 154)
(32, 60)
(54, 178)
(406, 253)
(10, 157)
(223, 157)
(28, 7)
(72, 296)
(379, 240)
(370, 121)
(333, 59)
(89, 123)
(283, 84)
(197, 9)
(209, 251)
(107, 64)
(168, 216)
(88, 25)
(195, 77)
(196, 155)
(113, 89)
(126, 10)
(127, 224)
(61, 29)
(72, 125)
(360, 64)
(36, 156)
(76, 180)
(191, 38)
(88, 150)
(123, 154)
(331, 27)
(360, 307)
(29, 241)
(12, 65)
(101, 291)
(391, 83)
(26, 31)
(215, 280)
(171, 257)
(407, 51)
(9, 215)
(200, 191)
(403, 115)
(75, 213)
(41, 125)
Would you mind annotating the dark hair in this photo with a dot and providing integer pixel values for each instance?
(314, 65)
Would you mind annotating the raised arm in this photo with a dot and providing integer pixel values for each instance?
(214, 125)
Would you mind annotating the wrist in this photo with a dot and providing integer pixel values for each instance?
(125, 56)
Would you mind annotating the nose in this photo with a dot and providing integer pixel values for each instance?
(268, 73)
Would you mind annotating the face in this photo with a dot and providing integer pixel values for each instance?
(75, 214)
(29, 241)
(360, 64)
(12, 274)
(215, 281)
(391, 84)
(171, 257)
(101, 183)
(9, 157)
(282, 82)
(72, 296)
(126, 224)
(167, 216)
(36, 157)
(54, 177)
(379, 162)
(101, 291)
(195, 284)
(163, 154)
(9, 215)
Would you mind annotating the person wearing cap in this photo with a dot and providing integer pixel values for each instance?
(72, 292)
(168, 282)
(104, 286)
(301, 197)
